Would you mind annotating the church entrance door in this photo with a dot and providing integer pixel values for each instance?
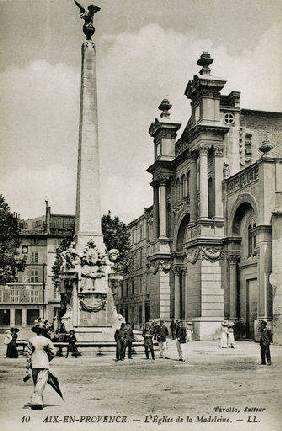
(251, 306)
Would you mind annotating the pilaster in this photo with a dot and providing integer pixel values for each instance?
(218, 178)
(193, 179)
(162, 210)
(12, 317)
(156, 209)
(177, 293)
(233, 261)
(204, 181)
(264, 256)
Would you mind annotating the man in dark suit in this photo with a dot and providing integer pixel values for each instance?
(129, 338)
(173, 329)
(181, 338)
(265, 340)
(148, 333)
(162, 333)
(120, 340)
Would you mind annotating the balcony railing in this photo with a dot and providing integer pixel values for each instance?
(21, 293)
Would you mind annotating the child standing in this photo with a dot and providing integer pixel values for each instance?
(72, 345)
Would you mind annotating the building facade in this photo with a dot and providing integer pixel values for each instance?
(35, 294)
(212, 239)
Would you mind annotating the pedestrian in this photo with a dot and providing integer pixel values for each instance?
(173, 329)
(155, 327)
(11, 340)
(181, 338)
(162, 333)
(265, 340)
(189, 331)
(224, 334)
(148, 333)
(128, 340)
(120, 340)
(231, 338)
(40, 351)
(72, 345)
(7, 341)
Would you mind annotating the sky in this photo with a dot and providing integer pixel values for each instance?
(146, 50)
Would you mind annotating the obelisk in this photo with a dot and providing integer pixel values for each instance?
(86, 265)
(88, 198)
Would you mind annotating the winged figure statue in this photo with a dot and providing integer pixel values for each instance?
(88, 17)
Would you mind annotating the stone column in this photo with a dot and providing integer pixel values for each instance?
(162, 206)
(218, 178)
(263, 234)
(156, 210)
(24, 317)
(204, 181)
(12, 317)
(88, 205)
(164, 271)
(193, 182)
(233, 271)
(183, 294)
(177, 293)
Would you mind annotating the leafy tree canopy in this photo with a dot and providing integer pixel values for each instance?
(10, 262)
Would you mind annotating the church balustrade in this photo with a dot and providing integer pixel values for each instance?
(242, 179)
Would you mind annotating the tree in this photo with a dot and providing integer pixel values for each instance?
(10, 262)
(116, 236)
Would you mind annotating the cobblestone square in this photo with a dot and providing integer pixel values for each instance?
(213, 389)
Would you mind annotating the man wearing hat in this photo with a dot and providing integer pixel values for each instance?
(40, 351)
(265, 340)
(162, 333)
(72, 347)
(181, 338)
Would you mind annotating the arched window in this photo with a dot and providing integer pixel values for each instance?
(183, 187)
(254, 237)
(250, 241)
(177, 194)
(188, 191)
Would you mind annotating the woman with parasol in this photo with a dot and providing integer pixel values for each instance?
(40, 351)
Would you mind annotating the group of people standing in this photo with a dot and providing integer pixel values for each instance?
(124, 338)
(152, 331)
(227, 335)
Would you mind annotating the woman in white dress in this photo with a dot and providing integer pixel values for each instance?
(231, 339)
(224, 334)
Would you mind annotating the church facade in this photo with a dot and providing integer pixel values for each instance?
(208, 249)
